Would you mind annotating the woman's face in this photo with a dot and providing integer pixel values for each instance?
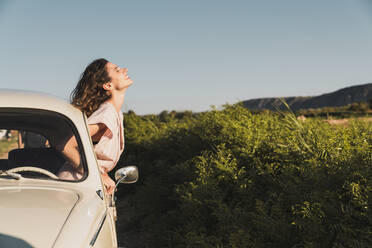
(119, 77)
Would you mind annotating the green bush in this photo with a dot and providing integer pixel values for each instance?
(230, 178)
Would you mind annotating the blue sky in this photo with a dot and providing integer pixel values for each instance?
(188, 55)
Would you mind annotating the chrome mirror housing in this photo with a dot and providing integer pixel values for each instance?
(127, 174)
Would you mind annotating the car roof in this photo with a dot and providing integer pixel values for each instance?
(10, 98)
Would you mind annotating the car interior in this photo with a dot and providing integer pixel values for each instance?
(32, 138)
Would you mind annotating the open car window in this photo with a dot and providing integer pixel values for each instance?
(30, 142)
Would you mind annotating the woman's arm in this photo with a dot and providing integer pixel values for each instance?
(20, 141)
(96, 131)
(71, 151)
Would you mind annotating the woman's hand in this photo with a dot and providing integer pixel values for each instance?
(109, 183)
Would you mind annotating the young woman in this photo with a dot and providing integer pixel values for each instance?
(100, 95)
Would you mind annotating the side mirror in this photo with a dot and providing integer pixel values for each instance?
(127, 174)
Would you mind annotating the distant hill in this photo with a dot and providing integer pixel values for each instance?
(342, 97)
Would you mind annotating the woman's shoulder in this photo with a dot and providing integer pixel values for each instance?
(106, 114)
(105, 108)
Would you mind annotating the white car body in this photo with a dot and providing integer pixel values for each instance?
(54, 213)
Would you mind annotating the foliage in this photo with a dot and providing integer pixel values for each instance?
(230, 178)
(351, 110)
(6, 144)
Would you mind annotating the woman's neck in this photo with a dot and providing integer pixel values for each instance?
(117, 99)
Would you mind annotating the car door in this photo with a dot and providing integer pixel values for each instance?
(109, 225)
(111, 217)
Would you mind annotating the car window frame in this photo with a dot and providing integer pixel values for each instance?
(71, 124)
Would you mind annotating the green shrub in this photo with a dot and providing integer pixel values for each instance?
(230, 178)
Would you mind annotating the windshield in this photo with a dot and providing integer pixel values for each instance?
(30, 145)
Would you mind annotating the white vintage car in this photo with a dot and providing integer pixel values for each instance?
(37, 209)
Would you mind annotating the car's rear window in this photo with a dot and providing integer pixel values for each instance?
(31, 142)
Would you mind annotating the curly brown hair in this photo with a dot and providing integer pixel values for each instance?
(89, 94)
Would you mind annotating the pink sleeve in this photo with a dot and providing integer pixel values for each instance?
(103, 115)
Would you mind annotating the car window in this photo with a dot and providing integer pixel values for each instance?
(30, 145)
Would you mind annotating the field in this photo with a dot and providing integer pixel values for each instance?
(230, 178)
(7, 144)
